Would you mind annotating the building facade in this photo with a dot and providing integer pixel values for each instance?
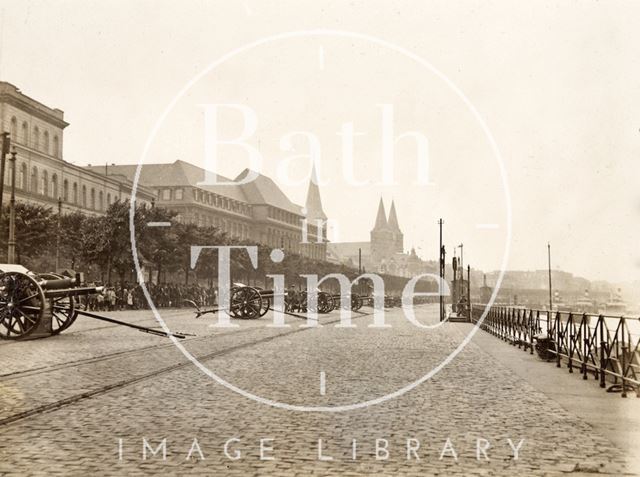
(42, 175)
(258, 211)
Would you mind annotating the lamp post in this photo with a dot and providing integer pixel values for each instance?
(442, 269)
(550, 288)
(58, 234)
(11, 251)
(6, 141)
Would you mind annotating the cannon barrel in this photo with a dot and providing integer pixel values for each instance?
(56, 283)
(49, 293)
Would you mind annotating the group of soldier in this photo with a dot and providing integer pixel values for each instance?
(130, 296)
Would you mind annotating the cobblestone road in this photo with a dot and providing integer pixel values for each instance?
(85, 402)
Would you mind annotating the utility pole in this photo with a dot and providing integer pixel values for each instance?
(11, 251)
(6, 142)
(442, 263)
(58, 234)
(461, 257)
(468, 291)
(550, 288)
(359, 270)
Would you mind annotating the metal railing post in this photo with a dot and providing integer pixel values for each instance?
(603, 349)
(570, 329)
(533, 329)
(623, 370)
(559, 336)
(585, 343)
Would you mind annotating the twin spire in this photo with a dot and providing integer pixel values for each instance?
(381, 218)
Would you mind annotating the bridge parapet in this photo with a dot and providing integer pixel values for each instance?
(606, 347)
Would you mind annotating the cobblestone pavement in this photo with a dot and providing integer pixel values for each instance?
(85, 402)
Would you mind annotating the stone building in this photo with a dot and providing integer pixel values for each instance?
(42, 175)
(257, 211)
(384, 252)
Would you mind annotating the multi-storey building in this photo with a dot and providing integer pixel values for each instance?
(257, 211)
(42, 176)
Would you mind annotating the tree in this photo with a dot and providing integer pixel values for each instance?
(35, 229)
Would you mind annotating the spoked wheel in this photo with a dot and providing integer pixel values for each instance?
(325, 302)
(266, 305)
(246, 302)
(21, 305)
(63, 313)
(63, 308)
(356, 302)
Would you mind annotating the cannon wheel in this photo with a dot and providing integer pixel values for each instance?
(62, 308)
(326, 303)
(246, 302)
(21, 305)
(266, 305)
(64, 313)
(356, 302)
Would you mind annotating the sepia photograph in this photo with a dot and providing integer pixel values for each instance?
(319, 237)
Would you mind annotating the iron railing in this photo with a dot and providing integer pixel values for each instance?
(606, 347)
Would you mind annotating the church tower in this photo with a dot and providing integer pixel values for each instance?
(315, 216)
(398, 237)
(382, 237)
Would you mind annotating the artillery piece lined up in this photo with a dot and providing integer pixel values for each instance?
(248, 302)
(38, 305)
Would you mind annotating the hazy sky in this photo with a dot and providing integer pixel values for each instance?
(557, 84)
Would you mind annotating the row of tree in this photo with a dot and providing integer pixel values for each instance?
(102, 246)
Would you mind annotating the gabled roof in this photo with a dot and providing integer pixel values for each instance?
(262, 190)
(176, 174)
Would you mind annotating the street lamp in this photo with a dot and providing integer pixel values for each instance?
(11, 251)
(461, 247)
(58, 234)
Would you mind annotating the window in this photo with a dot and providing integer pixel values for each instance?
(65, 190)
(36, 138)
(75, 192)
(101, 201)
(22, 180)
(108, 199)
(93, 198)
(179, 194)
(56, 147)
(84, 196)
(45, 142)
(44, 188)
(25, 133)
(54, 186)
(34, 180)
(166, 194)
(14, 129)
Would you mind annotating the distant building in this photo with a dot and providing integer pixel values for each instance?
(42, 175)
(257, 211)
(384, 253)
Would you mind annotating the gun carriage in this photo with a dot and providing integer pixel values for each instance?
(248, 302)
(37, 305)
(245, 302)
